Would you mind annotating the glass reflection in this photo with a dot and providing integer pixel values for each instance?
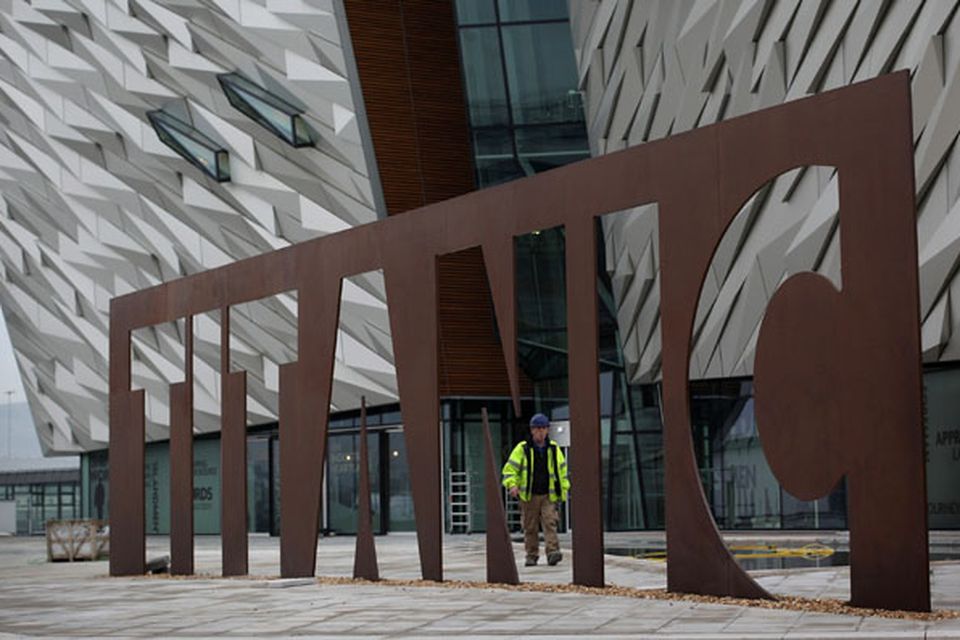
(197, 148)
(475, 12)
(740, 486)
(483, 76)
(343, 481)
(541, 73)
(270, 111)
(401, 500)
(530, 10)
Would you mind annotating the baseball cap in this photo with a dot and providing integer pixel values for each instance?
(539, 420)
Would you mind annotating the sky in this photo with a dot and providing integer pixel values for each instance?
(9, 375)
(18, 438)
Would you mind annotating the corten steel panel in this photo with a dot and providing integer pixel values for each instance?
(127, 508)
(501, 563)
(305, 388)
(365, 555)
(586, 515)
(863, 130)
(863, 339)
(233, 458)
(697, 559)
(181, 464)
(181, 476)
(181, 480)
(411, 275)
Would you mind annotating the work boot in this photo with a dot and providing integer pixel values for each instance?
(554, 557)
(531, 561)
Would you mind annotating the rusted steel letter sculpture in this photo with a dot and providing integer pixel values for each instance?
(365, 554)
(837, 372)
(501, 565)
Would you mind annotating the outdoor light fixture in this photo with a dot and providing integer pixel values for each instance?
(276, 114)
(200, 150)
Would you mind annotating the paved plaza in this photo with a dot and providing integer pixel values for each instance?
(38, 598)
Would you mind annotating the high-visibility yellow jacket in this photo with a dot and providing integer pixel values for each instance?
(518, 471)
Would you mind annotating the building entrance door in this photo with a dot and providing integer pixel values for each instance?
(390, 497)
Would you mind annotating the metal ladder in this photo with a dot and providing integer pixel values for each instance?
(459, 502)
(514, 520)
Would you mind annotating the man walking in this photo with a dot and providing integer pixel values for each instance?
(536, 473)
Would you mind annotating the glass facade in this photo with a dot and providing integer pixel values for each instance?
(41, 496)
(632, 457)
(343, 481)
(259, 504)
(520, 79)
(464, 453)
(942, 431)
(94, 484)
(740, 487)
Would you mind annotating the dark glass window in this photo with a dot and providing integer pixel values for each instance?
(520, 80)
(343, 480)
(529, 10)
(401, 499)
(942, 431)
(258, 484)
(544, 148)
(495, 156)
(483, 75)
(541, 73)
(476, 12)
(270, 111)
(197, 148)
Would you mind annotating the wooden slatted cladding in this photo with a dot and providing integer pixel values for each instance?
(409, 64)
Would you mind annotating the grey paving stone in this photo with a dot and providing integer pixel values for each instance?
(37, 598)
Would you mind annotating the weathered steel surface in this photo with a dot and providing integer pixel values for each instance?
(863, 130)
(837, 376)
(305, 388)
(233, 458)
(501, 563)
(411, 275)
(181, 481)
(690, 230)
(127, 506)
(838, 373)
(181, 464)
(365, 556)
(586, 511)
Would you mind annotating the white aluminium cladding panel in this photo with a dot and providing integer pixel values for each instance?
(652, 68)
(94, 205)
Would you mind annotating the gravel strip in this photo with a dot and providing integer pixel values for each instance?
(788, 603)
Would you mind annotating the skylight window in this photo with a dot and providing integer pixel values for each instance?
(272, 112)
(200, 150)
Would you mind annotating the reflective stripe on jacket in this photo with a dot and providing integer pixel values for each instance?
(518, 471)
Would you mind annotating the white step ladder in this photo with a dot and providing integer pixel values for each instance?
(459, 502)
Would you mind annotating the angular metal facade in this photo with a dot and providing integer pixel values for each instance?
(94, 205)
(650, 69)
